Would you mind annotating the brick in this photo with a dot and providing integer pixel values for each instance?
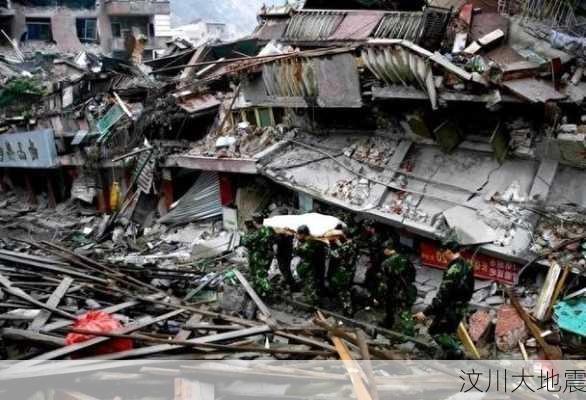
(510, 328)
(479, 324)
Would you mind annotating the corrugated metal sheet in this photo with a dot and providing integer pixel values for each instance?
(435, 23)
(397, 66)
(401, 25)
(313, 25)
(333, 81)
(357, 26)
(427, 28)
(556, 13)
(294, 77)
(200, 202)
(145, 166)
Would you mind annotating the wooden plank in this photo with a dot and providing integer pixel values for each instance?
(109, 310)
(523, 351)
(29, 257)
(31, 336)
(53, 301)
(558, 290)
(365, 353)
(185, 333)
(467, 341)
(354, 340)
(195, 58)
(71, 291)
(351, 366)
(57, 269)
(305, 340)
(362, 324)
(62, 352)
(257, 300)
(16, 292)
(146, 351)
(242, 345)
(551, 352)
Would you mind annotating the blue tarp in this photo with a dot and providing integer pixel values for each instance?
(570, 315)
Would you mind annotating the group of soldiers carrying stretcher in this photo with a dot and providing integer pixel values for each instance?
(390, 279)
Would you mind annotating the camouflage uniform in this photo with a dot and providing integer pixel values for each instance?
(311, 268)
(284, 255)
(375, 244)
(450, 305)
(399, 293)
(260, 256)
(342, 265)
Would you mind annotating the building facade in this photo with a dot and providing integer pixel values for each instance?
(70, 26)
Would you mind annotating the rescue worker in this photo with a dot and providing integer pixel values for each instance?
(374, 241)
(284, 255)
(400, 293)
(343, 267)
(259, 241)
(450, 304)
(311, 268)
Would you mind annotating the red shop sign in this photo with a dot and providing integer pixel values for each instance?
(485, 267)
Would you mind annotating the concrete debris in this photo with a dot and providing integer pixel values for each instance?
(510, 329)
(479, 325)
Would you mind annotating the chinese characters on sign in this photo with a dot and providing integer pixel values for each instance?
(485, 267)
(34, 149)
(506, 381)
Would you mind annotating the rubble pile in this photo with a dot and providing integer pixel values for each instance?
(161, 309)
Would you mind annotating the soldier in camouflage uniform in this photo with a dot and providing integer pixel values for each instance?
(342, 265)
(284, 256)
(259, 241)
(450, 305)
(374, 241)
(311, 268)
(400, 293)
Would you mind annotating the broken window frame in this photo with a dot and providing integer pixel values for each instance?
(253, 116)
(83, 36)
(39, 24)
(261, 122)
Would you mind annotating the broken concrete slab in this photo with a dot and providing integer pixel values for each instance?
(510, 328)
(479, 325)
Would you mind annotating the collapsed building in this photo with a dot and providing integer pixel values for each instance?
(429, 118)
(69, 26)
